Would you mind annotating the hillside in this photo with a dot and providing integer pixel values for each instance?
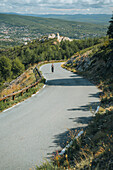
(94, 149)
(15, 29)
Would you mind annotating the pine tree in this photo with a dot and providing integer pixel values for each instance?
(17, 67)
(110, 28)
(5, 68)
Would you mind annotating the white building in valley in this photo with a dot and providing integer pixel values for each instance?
(59, 38)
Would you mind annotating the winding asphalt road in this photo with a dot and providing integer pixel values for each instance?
(34, 129)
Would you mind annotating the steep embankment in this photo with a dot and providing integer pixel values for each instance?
(97, 65)
(94, 149)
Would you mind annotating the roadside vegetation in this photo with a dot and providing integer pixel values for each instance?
(93, 150)
(29, 77)
(18, 98)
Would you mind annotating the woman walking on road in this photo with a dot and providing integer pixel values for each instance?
(52, 68)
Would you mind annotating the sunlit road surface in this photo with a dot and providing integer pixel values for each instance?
(31, 131)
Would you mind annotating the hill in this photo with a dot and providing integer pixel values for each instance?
(15, 29)
(88, 18)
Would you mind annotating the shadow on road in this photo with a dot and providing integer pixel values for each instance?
(82, 120)
(78, 81)
(74, 75)
(89, 107)
(61, 139)
(96, 95)
(64, 138)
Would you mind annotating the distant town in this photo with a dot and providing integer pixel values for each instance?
(14, 35)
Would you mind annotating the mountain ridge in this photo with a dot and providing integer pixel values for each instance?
(90, 18)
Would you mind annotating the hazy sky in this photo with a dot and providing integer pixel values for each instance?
(57, 6)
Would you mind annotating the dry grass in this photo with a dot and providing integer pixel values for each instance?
(27, 78)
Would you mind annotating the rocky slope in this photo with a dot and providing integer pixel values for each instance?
(96, 65)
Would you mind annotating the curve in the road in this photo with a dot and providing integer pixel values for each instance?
(38, 126)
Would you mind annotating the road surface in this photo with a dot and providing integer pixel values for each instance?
(31, 131)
